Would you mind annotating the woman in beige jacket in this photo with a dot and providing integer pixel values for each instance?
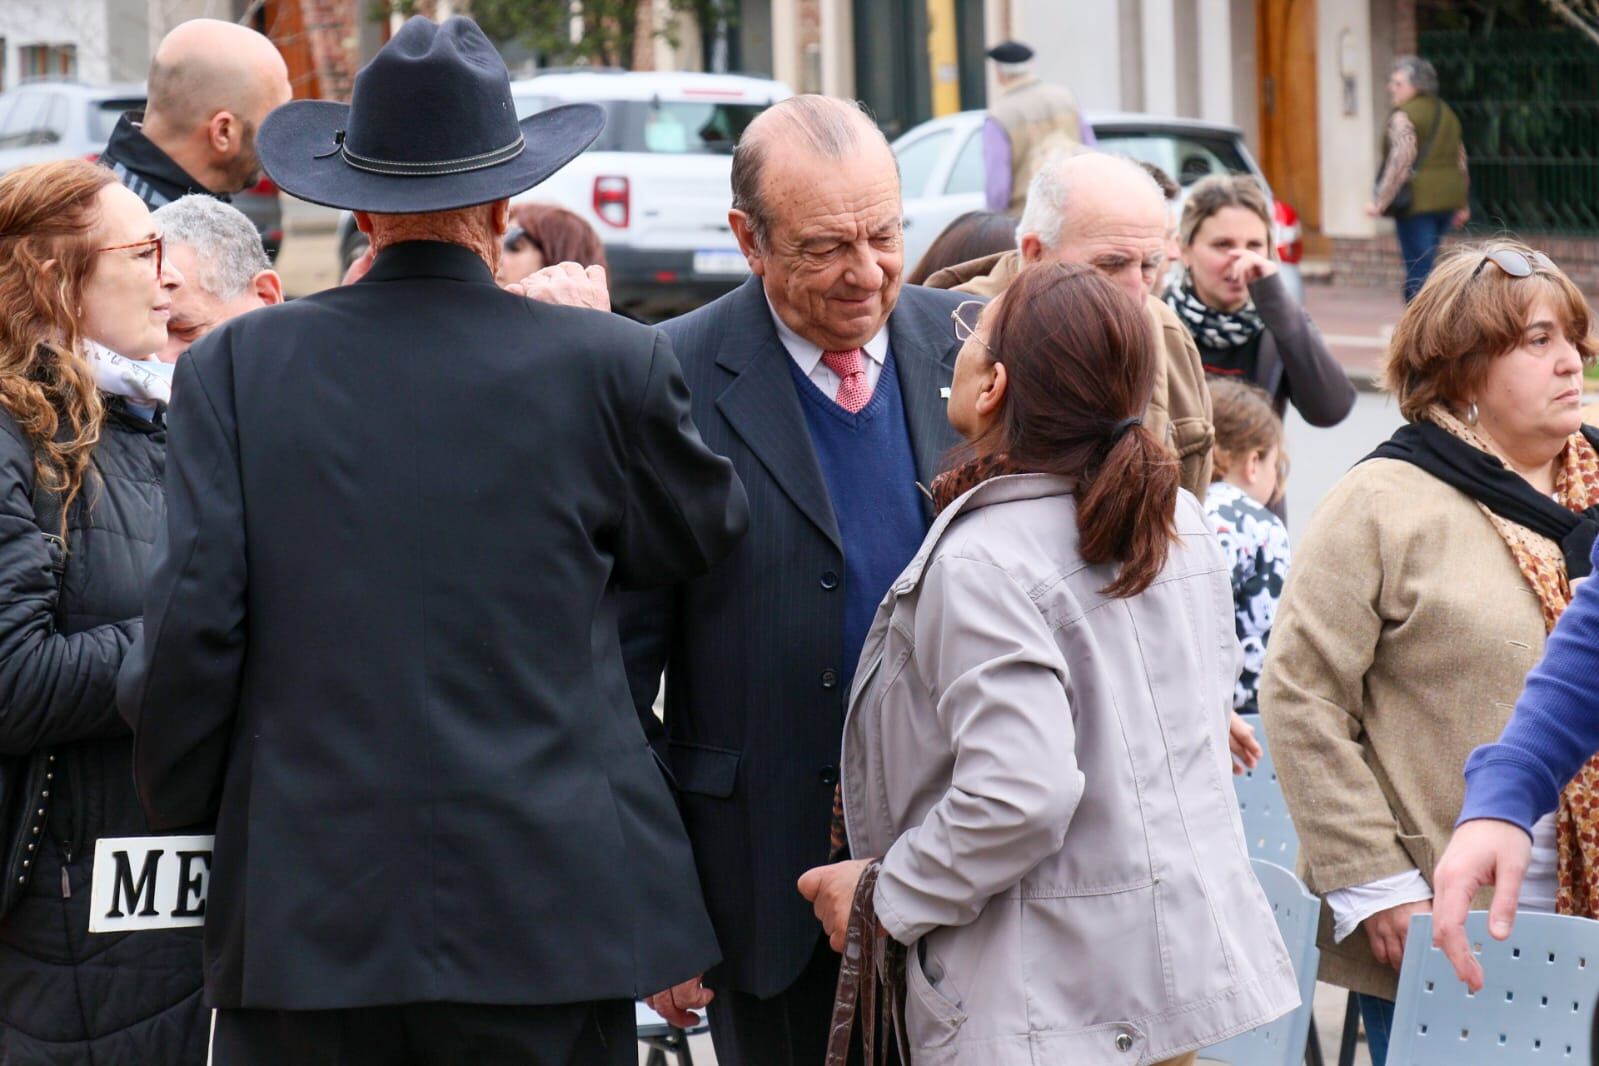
(1037, 743)
(1420, 597)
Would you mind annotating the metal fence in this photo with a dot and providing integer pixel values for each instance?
(1528, 102)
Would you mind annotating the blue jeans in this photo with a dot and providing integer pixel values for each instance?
(1378, 1016)
(1419, 237)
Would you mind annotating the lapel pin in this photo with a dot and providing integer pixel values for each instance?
(943, 393)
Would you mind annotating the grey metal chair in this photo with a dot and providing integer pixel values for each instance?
(1536, 1005)
(1267, 827)
(1282, 1042)
(662, 1038)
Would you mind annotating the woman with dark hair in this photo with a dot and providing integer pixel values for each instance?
(1037, 742)
(542, 235)
(84, 302)
(974, 235)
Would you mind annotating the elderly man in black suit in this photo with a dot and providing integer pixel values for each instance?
(824, 382)
(380, 648)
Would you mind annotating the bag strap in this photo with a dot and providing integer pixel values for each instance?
(871, 959)
(47, 512)
(1432, 135)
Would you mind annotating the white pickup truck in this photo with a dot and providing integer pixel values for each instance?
(655, 185)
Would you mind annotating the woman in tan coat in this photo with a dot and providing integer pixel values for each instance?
(1419, 599)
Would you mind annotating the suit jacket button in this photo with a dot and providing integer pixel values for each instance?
(829, 580)
(829, 680)
(1124, 1042)
(829, 776)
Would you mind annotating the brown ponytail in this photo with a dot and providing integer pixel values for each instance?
(1079, 357)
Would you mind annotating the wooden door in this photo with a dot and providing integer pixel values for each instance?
(1290, 153)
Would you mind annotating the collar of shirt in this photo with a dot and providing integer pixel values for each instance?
(807, 355)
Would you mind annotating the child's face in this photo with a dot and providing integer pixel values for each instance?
(1257, 475)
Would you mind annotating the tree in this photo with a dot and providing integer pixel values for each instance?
(603, 32)
(1581, 14)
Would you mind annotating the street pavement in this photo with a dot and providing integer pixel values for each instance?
(1356, 323)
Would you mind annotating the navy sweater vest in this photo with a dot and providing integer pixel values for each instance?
(870, 470)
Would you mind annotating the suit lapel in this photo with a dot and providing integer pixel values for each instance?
(761, 407)
(924, 355)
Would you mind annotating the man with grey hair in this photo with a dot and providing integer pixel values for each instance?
(1425, 182)
(225, 268)
(824, 381)
(1028, 121)
(1107, 212)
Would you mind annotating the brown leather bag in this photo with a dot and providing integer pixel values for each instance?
(871, 984)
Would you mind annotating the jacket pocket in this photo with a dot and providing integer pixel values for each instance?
(930, 1019)
(703, 770)
(1098, 959)
(1421, 852)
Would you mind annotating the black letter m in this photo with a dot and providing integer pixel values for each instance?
(145, 889)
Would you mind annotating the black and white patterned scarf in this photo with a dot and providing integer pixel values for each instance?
(1212, 329)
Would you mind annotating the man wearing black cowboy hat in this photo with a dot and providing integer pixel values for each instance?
(380, 651)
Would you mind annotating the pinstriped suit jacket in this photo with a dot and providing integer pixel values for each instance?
(754, 704)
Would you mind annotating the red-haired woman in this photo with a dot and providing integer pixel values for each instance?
(542, 235)
(84, 294)
(1037, 743)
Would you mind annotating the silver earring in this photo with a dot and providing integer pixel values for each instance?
(1471, 414)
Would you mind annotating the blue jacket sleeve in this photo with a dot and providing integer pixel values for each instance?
(1555, 727)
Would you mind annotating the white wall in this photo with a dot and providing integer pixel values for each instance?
(1348, 141)
(1078, 45)
(57, 22)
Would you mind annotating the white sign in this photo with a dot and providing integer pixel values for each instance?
(716, 261)
(149, 883)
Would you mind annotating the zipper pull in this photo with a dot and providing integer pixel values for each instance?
(66, 879)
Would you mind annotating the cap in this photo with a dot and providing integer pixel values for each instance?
(1010, 52)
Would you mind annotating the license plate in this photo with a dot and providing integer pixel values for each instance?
(716, 261)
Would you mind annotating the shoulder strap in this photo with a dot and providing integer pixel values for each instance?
(48, 514)
(1432, 135)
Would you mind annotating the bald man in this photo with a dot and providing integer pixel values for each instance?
(1107, 212)
(211, 83)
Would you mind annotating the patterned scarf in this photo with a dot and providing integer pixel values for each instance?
(1544, 566)
(947, 488)
(1216, 330)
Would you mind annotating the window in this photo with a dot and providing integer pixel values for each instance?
(1186, 157)
(917, 160)
(682, 127)
(25, 122)
(103, 115)
(47, 61)
(968, 175)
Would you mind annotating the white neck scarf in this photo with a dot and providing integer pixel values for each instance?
(143, 382)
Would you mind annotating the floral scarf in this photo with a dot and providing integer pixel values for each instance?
(1544, 566)
(1212, 329)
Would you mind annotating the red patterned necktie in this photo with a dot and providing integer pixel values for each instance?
(850, 366)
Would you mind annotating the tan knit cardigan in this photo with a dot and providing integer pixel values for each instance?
(1401, 643)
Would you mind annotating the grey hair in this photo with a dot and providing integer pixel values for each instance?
(224, 240)
(1045, 211)
(1422, 74)
(831, 127)
(1015, 70)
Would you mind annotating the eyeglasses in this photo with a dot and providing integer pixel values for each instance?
(965, 317)
(1515, 263)
(158, 242)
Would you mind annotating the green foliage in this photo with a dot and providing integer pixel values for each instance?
(607, 30)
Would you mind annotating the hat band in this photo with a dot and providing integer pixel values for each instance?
(403, 169)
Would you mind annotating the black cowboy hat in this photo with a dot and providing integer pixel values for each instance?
(430, 127)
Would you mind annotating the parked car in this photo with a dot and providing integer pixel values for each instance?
(45, 120)
(655, 185)
(941, 169)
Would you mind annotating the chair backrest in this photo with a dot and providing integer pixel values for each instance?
(1267, 827)
(1282, 1042)
(1536, 1004)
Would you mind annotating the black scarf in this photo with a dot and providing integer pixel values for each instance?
(1216, 330)
(1504, 492)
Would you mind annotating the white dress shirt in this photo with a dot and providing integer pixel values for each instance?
(808, 356)
(1353, 905)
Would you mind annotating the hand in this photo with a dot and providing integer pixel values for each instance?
(1248, 267)
(1483, 851)
(358, 268)
(1462, 217)
(566, 284)
(1245, 748)
(1373, 210)
(678, 1003)
(831, 890)
(1387, 931)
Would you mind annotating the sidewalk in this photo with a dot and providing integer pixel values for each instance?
(1356, 324)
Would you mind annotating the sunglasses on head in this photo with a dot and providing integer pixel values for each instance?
(1514, 263)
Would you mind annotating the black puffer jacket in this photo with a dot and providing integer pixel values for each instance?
(67, 997)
